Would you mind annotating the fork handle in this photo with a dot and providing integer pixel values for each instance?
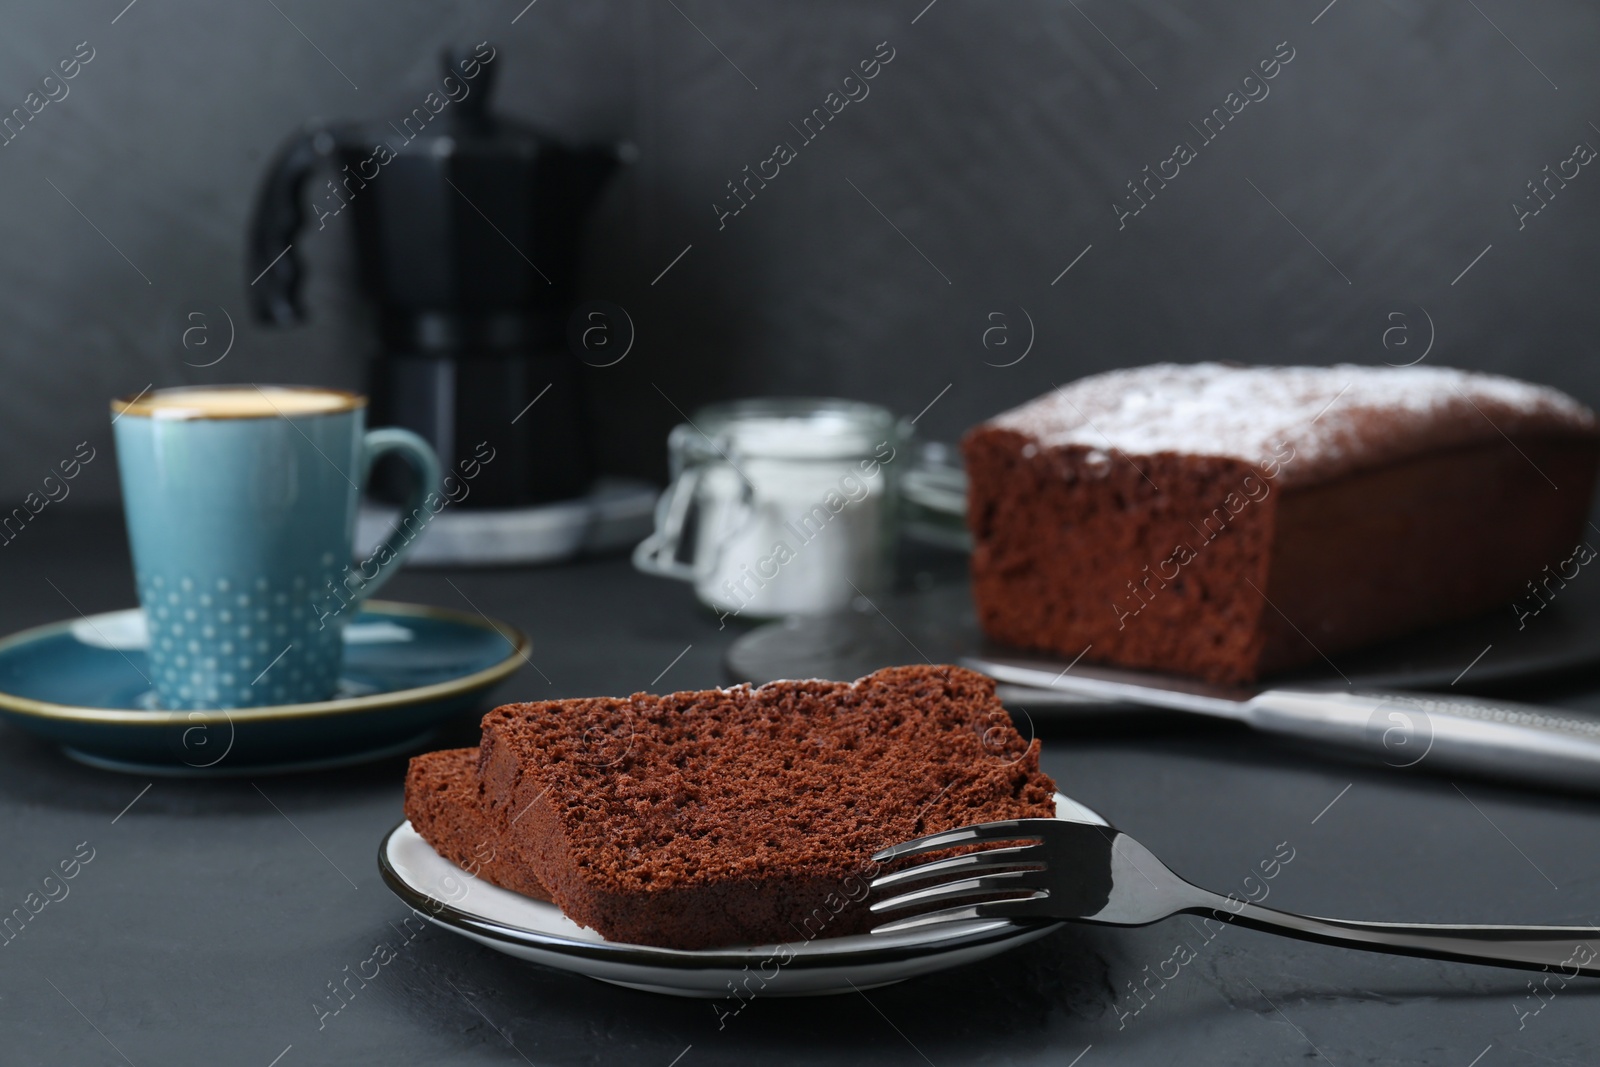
(1568, 950)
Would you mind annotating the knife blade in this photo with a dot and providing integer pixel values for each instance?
(1494, 738)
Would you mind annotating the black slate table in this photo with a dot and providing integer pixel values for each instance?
(215, 917)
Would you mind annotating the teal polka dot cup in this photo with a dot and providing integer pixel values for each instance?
(241, 505)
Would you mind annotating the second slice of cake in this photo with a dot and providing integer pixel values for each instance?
(747, 815)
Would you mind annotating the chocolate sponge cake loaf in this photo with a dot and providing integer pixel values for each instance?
(1227, 521)
(746, 815)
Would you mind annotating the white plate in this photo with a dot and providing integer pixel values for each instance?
(534, 930)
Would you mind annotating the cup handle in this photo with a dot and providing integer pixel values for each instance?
(385, 559)
(658, 553)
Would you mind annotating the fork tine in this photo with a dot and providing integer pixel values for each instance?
(1013, 908)
(987, 860)
(1007, 830)
(962, 887)
(914, 922)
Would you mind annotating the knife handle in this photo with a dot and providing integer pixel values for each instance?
(1493, 738)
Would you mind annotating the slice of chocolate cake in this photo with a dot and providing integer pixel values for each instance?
(747, 816)
(445, 805)
(1226, 521)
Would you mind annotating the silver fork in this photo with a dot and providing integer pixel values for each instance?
(1082, 872)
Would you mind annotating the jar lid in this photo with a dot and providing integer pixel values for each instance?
(784, 428)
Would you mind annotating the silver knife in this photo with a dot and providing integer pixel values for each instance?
(1496, 738)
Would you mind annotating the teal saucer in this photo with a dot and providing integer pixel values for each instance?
(408, 668)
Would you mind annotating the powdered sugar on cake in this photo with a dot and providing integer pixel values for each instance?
(1336, 419)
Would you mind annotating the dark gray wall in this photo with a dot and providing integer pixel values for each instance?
(995, 142)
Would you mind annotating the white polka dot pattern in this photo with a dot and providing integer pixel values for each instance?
(240, 642)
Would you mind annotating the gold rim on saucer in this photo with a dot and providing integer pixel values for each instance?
(520, 646)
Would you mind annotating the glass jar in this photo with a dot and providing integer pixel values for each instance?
(780, 506)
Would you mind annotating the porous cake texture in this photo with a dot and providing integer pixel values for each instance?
(728, 816)
(444, 804)
(1226, 521)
